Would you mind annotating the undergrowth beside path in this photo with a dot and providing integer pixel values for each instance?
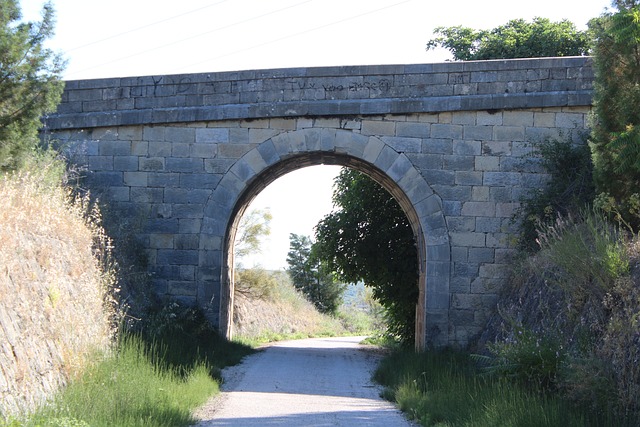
(447, 389)
(140, 384)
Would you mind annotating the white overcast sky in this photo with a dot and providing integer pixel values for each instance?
(118, 38)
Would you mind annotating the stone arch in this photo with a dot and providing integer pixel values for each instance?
(297, 149)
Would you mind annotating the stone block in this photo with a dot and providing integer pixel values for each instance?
(161, 241)
(403, 145)
(386, 158)
(451, 131)
(481, 255)
(502, 179)
(496, 148)
(282, 123)
(465, 269)
(459, 224)
(468, 239)
(188, 211)
(159, 149)
(438, 252)
(186, 241)
(479, 209)
(182, 289)
(544, 120)
(503, 194)
(468, 178)
(506, 210)
(218, 166)
(459, 254)
(160, 179)
(204, 151)
(467, 118)
(485, 118)
(378, 128)
(487, 163)
(257, 136)
(467, 148)
(136, 179)
(161, 225)
(459, 163)
(495, 271)
(412, 129)
(101, 163)
(125, 163)
(184, 135)
(117, 194)
(488, 224)
(147, 164)
(480, 194)
(570, 120)
(189, 225)
(479, 133)
(146, 195)
(190, 165)
(102, 179)
(453, 192)
(212, 135)
(437, 146)
(438, 177)
(177, 257)
(399, 168)
(179, 149)
(509, 133)
(517, 118)
(430, 205)
(153, 133)
(186, 196)
(114, 148)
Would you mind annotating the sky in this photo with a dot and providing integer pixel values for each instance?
(118, 38)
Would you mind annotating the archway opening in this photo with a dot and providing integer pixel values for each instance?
(301, 162)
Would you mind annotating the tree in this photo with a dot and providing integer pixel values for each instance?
(368, 238)
(30, 83)
(516, 39)
(253, 227)
(311, 276)
(615, 140)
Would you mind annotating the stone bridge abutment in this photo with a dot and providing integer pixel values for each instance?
(454, 143)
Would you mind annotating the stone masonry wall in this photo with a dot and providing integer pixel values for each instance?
(181, 152)
(478, 162)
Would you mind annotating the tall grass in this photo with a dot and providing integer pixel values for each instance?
(129, 389)
(446, 389)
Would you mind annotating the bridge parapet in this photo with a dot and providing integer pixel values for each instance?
(326, 91)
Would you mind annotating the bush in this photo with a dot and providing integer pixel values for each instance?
(569, 318)
(568, 191)
(255, 283)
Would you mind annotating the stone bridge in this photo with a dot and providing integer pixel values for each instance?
(452, 142)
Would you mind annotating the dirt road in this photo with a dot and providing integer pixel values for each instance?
(313, 382)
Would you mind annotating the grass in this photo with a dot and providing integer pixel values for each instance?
(446, 389)
(141, 384)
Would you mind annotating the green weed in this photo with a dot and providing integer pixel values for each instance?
(447, 389)
(128, 389)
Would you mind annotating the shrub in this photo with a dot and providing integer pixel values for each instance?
(569, 318)
(569, 189)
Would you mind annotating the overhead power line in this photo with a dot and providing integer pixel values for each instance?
(295, 35)
(145, 26)
(146, 51)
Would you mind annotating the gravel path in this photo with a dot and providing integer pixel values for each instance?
(312, 382)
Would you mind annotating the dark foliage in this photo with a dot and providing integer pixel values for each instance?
(368, 238)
